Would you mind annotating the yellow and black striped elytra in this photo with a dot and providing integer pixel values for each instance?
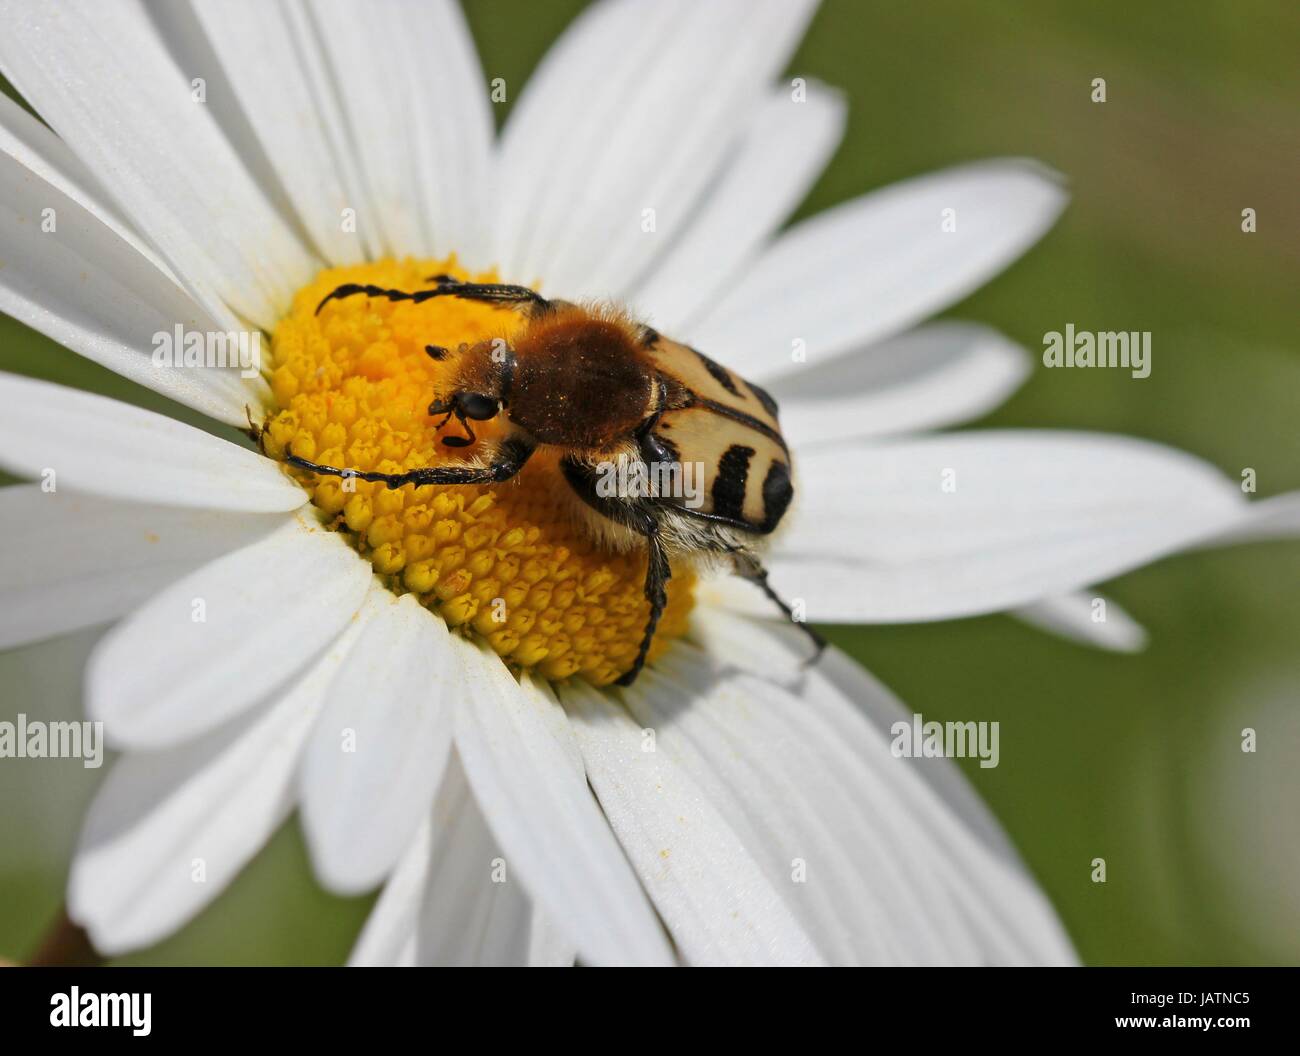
(605, 391)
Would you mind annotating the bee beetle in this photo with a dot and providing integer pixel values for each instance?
(607, 391)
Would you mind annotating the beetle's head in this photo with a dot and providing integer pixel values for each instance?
(478, 391)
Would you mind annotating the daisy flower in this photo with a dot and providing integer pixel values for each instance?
(423, 674)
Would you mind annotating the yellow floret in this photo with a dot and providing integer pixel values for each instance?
(501, 562)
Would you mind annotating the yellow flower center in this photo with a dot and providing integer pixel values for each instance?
(352, 387)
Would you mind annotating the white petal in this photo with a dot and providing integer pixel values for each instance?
(376, 755)
(653, 133)
(548, 946)
(222, 638)
(714, 897)
(932, 825)
(868, 269)
(208, 805)
(29, 143)
(930, 377)
(777, 652)
(1079, 617)
(89, 283)
(526, 773)
(72, 561)
(1269, 519)
(388, 939)
(106, 447)
(865, 894)
(416, 101)
(259, 57)
(945, 526)
(783, 152)
(471, 916)
(451, 901)
(103, 79)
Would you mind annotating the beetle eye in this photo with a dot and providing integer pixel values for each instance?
(476, 406)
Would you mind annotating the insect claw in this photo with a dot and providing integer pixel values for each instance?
(819, 646)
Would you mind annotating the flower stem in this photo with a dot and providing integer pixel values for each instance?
(66, 945)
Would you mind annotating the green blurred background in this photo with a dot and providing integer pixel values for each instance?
(1135, 759)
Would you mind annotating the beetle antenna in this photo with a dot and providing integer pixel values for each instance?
(487, 292)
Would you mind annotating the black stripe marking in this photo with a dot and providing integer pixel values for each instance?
(730, 485)
(777, 493)
(740, 416)
(720, 373)
(765, 398)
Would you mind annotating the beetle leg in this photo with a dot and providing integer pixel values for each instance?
(581, 477)
(658, 572)
(747, 566)
(509, 460)
(491, 292)
(351, 289)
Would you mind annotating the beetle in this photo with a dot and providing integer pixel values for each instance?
(612, 393)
